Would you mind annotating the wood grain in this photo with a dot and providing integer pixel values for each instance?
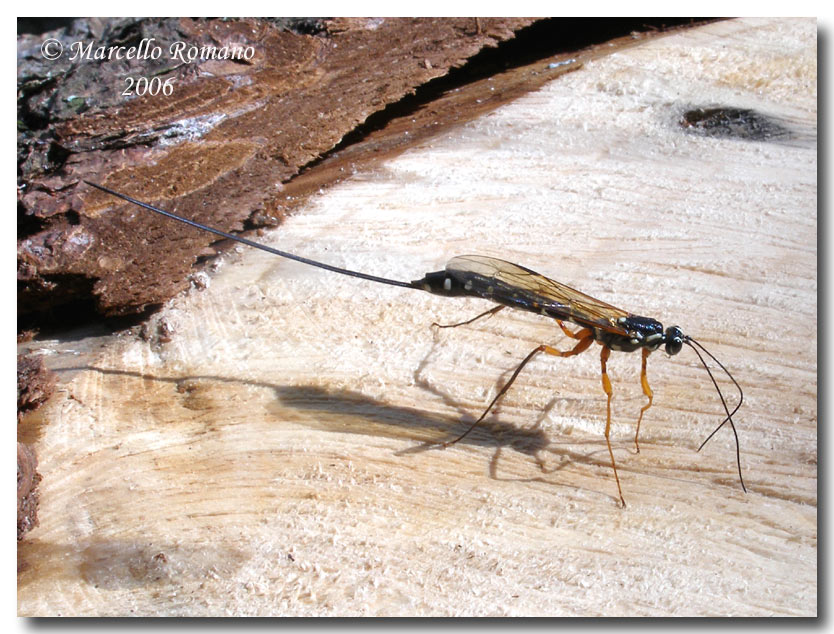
(272, 454)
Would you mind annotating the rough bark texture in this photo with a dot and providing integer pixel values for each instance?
(217, 149)
(35, 384)
(27, 495)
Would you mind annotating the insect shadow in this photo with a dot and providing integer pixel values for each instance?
(347, 411)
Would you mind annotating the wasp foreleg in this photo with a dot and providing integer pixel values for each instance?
(644, 381)
(606, 386)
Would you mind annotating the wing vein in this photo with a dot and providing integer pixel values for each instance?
(519, 287)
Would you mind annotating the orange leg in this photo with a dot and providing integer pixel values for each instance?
(586, 338)
(573, 335)
(491, 311)
(644, 381)
(606, 386)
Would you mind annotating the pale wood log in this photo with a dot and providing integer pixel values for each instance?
(274, 456)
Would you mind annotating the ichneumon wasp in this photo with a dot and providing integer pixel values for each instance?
(513, 286)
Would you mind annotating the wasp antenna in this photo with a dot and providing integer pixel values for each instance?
(727, 372)
(690, 341)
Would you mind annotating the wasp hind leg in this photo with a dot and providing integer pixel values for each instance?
(487, 313)
(579, 334)
(606, 386)
(585, 337)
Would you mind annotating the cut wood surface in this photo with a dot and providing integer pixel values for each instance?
(268, 447)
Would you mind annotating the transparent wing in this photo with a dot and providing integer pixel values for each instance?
(518, 287)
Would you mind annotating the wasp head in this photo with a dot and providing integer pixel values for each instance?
(674, 340)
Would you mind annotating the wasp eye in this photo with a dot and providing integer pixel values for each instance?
(674, 340)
